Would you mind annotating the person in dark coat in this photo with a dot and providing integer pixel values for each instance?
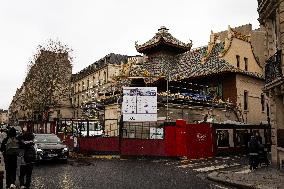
(10, 159)
(28, 157)
(253, 148)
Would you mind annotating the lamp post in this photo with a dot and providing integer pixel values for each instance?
(167, 99)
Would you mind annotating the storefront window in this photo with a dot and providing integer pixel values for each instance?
(223, 138)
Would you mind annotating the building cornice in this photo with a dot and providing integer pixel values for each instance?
(265, 9)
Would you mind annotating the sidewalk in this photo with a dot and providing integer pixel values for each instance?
(2, 168)
(242, 177)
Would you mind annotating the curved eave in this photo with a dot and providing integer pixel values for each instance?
(145, 49)
(250, 74)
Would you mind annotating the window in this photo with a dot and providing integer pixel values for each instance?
(78, 87)
(83, 85)
(78, 100)
(105, 77)
(238, 61)
(246, 63)
(99, 77)
(245, 100)
(262, 102)
(223, 138)
(88, 82)
(94, 81)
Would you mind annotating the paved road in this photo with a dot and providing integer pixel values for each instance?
(119, 173)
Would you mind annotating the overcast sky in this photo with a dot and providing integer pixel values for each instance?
(94, 28)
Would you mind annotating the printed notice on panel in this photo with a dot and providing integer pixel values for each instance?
(139, 104)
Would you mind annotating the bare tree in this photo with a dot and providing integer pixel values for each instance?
(48, 81)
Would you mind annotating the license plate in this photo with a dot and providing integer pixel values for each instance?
(51, 155)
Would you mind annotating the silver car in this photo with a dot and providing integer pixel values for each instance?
(49, 146)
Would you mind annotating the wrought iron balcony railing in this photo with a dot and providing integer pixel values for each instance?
(273, 68)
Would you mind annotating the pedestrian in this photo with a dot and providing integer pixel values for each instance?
(28, 157)
(253, 152)
(3, 134)
(258, 137)
(10, 150)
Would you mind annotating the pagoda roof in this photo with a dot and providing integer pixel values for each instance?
(163, 38)
(191, 65)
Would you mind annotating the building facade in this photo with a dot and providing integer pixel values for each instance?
(271, 17)
(95, 82)
(221, 82)
(230, 60)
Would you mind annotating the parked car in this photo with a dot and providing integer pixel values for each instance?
(49, 146)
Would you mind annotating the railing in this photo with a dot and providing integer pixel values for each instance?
(273, 67)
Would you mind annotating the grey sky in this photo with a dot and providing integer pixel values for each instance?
(95, 28)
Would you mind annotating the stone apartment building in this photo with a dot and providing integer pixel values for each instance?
(271, 17)
(96, 81)
(3, 116)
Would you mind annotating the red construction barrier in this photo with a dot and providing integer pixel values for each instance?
(199, 141)
(98, 144)
(142, 147)
(191, 140)
(170, 140)
(181, 135)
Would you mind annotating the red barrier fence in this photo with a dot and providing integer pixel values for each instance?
(98, 144)
(142, 147)
(191, 140)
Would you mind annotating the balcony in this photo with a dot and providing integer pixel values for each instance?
(273, 68)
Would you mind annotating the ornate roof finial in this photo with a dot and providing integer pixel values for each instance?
(163, 29)
(136, 43)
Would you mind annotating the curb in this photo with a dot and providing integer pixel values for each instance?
(233, 184)
(82, 156)
(105, 157)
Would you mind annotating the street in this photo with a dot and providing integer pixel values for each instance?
(124, 173)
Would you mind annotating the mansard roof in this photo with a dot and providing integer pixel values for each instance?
(108, 59)
(165, 39)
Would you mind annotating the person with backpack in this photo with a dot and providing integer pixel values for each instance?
(10, 150)
(28, 157)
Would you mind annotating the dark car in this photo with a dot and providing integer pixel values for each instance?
(49, 146)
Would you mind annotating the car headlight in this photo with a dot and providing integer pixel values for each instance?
(39, 150)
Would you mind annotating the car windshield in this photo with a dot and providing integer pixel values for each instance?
(47, 139)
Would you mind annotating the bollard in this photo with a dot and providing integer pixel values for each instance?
(1, 179)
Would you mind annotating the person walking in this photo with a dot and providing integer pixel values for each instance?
(10, 150)
(28, 157)
(253, 152)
